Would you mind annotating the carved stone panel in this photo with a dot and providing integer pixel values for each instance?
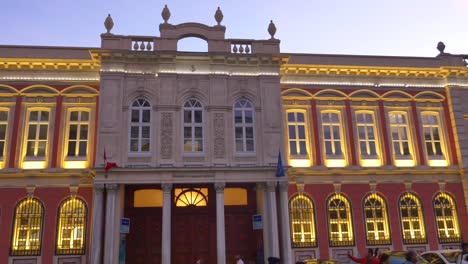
(219, 135)
(167, 128)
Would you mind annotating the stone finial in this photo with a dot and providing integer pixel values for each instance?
(219, 16)
(166, 14)
(109, 24)
(272, 29)
(441, 47)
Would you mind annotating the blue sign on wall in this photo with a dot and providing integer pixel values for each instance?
(257, 222)
(125, 225)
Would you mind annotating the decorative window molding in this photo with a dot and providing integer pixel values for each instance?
(412, 220)
(368, 140)
(401, 139)
(433, 139)
(244, 126)
(340, 224)
(333, 138)
(140, 126)
(193, 126)
(302, 217)
(445, 212)
(71, 230)
(376, 220)
(27, 228)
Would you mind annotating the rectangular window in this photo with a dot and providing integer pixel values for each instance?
(332, 136)
(399, 131)
(432, 133)
(78, 133)
(37, 134)
(366, 134)
(3, 132)
(193, 130)
(297, 134)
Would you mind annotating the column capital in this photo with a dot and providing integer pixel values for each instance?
(112, 187)
(99, 187)
(283, 186)
(271, 186)
(219, 187)
(166, 187)
(261, 186)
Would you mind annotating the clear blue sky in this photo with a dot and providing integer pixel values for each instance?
(369, 27)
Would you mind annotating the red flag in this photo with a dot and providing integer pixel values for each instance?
(110, 165)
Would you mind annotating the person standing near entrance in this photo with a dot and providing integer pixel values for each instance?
(369, 259)
(238, 259)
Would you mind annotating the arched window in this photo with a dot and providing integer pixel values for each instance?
(376, 219)
(412, 222)
(193, 126)
(445, 213)
(140, 125)
(244, 126)
(340, 223)
(302, 217)
(71, 230)
(27, 228)
(191, 197)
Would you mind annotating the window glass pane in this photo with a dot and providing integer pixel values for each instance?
(187, 132)
(250, 145)
(134, 132)
(198, 116)
(238, 116)
(32, 132)
(84, 116)
(187, 116)
(33, 116)
(3, 115)
(30, 149)
(292, 132)
(84, 132)
(145, 132)
(292, 148)
(248, 117)
(71, 148)
(239, 132)
(198, 145)
(198, 132)
(291, 117)
(135, 116)
(43, 132)
(82, 151)
(41, 148)
(44, 116)
(2, 145)
(239, 145)
(2, 132)
(145, 144)
(72, 132)
(300, 117)
(249, 132)
(74, 116)
(301, 132)
(303, 148)
(146, 116)
(134, 145)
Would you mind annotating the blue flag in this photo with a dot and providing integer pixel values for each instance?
(279, 166)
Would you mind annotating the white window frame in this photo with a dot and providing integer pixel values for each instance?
(302, 218)
(5, 139)
(143, 105)
(36, 139)
(297, 141)
(244, 106)
(435, 159)
(401, 160)
(79, 123)
(193, 105)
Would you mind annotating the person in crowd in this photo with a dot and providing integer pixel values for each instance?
(411, 257)
(368, 259)
(384, 258)
(238, 259)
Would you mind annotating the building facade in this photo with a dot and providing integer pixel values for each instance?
(185, 145)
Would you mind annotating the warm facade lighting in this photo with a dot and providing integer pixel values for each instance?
(301, 163)
(405, 163)
(371, 163)
(438, 163)
(75, 164)
(335, 163)
(34, 165)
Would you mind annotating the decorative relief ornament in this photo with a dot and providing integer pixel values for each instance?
(219, 16)
(166, 14)
(109, 24)
(272, 29)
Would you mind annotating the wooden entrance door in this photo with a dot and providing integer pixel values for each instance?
(194, 232)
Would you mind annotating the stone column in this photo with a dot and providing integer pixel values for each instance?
(273, 214)
(110, 242)
(166, 224)
(96, 225)
(220, 232)
(285, 226)
(261, 188)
